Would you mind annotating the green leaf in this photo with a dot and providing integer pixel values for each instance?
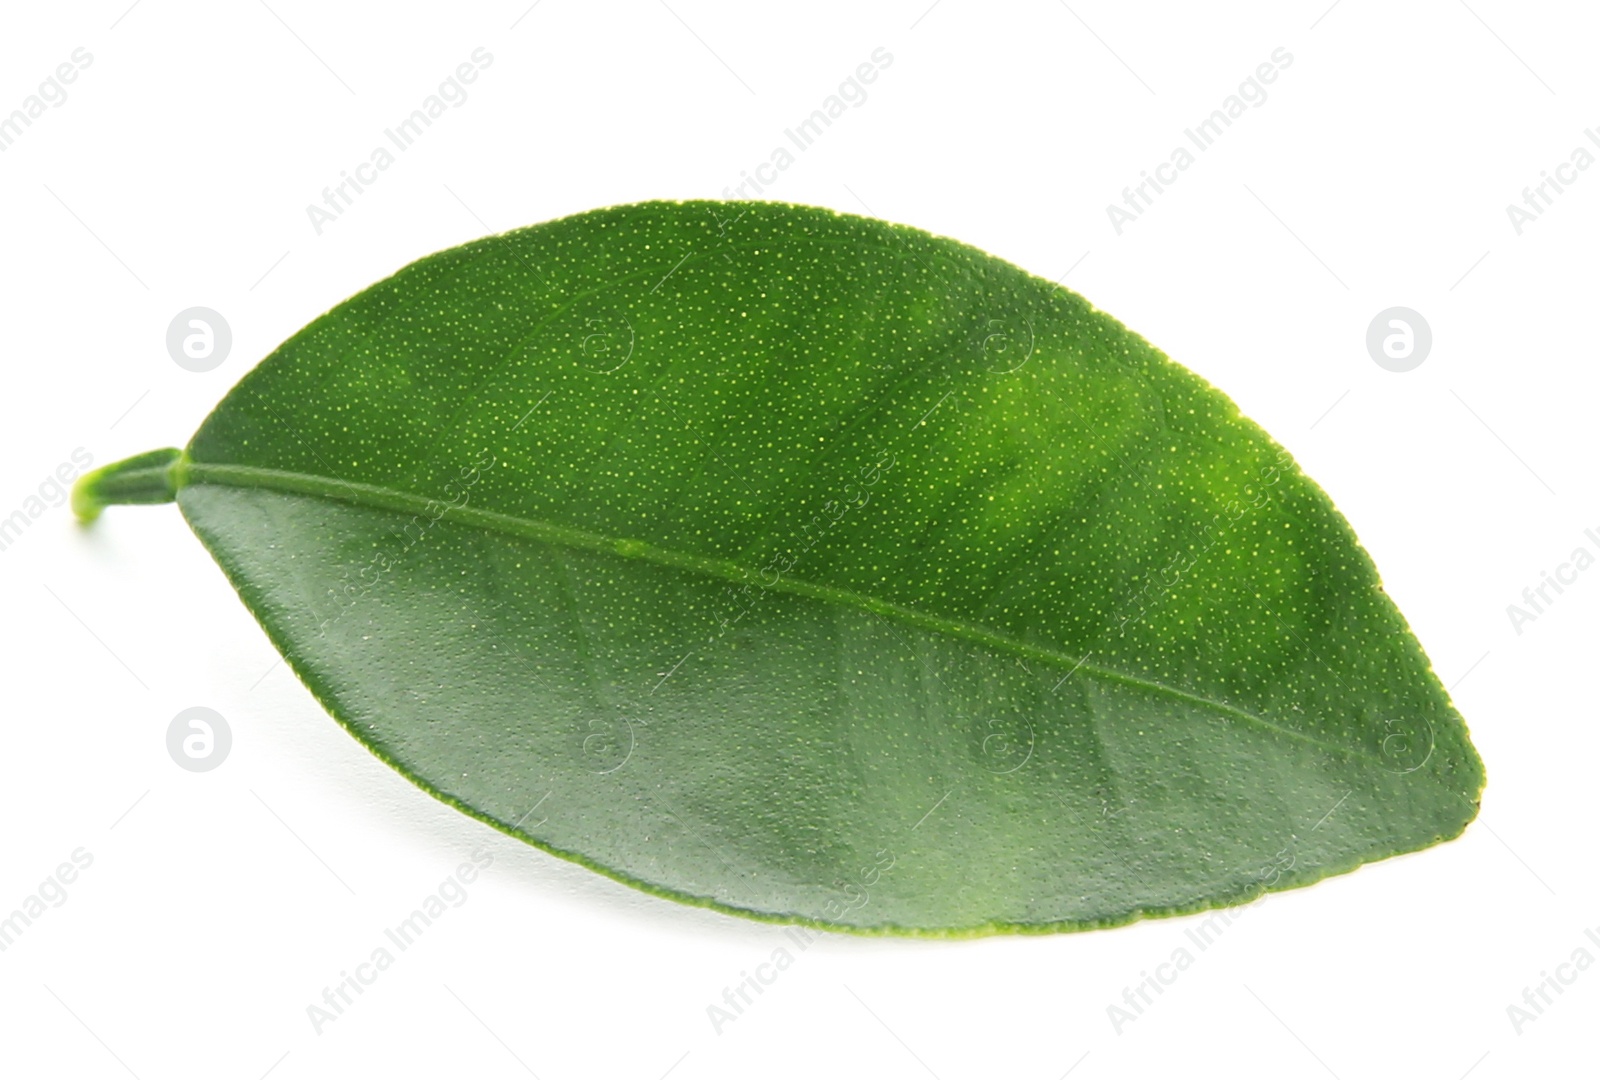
(817, 569)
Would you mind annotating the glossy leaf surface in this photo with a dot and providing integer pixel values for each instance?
(819, 569)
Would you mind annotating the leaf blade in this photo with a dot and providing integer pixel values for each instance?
(811, 661)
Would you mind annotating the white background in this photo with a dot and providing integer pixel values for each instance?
(1377, 173)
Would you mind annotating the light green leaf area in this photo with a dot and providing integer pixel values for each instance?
(821, 570)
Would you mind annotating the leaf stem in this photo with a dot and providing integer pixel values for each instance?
(152, 477)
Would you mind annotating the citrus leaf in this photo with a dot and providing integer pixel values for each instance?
(818, 569)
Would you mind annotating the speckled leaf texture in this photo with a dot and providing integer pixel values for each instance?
(819, 570)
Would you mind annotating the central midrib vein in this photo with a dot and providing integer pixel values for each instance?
(373, 496)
